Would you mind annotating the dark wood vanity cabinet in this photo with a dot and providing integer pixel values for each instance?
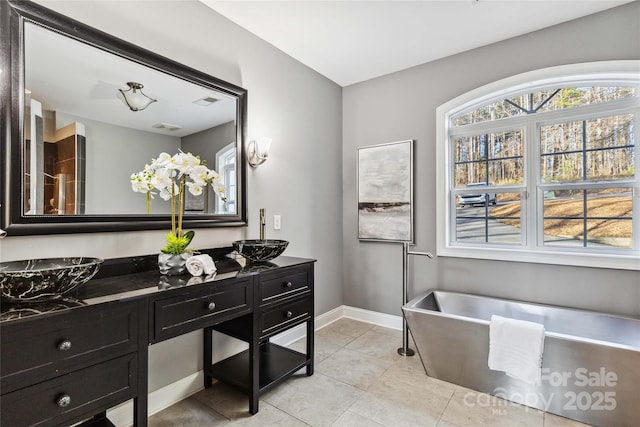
(65, 367)
(73, 363)
(283, 300)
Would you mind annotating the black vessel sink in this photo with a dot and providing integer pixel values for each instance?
(260, 250)
(43, 279)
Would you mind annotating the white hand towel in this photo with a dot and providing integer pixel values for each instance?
(515, 347)
(198, 265)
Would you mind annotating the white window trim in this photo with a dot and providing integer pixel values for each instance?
(616, 71)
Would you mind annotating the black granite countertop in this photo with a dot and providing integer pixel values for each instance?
(135, 277)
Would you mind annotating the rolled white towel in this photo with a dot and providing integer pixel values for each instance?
(198, 265)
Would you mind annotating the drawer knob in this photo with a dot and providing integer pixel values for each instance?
(211, 306)
(289, 314)
(288, 284)
(63, 401)
(64, 345)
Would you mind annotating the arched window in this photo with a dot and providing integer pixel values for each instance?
(541, 167)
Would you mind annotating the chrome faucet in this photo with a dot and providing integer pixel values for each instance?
(263, 222)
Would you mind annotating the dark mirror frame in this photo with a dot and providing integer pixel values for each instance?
(13, 15)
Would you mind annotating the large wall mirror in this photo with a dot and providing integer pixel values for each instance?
(71, 139)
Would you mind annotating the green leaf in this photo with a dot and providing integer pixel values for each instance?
(177, 245)
(189, 236)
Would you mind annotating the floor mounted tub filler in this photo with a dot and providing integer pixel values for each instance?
(590, 366)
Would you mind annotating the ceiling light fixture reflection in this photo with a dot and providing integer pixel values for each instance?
(206, 101)
(135, 99)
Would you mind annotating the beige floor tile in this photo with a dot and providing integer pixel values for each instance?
(299, 345)
(225, 399)
(267, 416)
(410, 372)
(376, 344)
(350, 327)
(391, 332)
(317, 400)
(326, 342)
(354, 368)
(351, 419)
(468, 408)
(390, 401)
(188, 413)
(551, 420)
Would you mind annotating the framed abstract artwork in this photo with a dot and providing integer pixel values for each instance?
(385, 192)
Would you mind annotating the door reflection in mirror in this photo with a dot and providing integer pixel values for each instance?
(54, 165)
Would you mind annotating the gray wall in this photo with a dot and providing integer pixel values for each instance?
(206, 144)
(402, 106)
(297, 107)
(113, 154)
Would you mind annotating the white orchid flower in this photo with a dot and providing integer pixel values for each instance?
(180, 162)
(194, 188)
(191, 160)
(162, 161)
(218, 186)
(140, 186)
(140, 182)
(166, 194)
(161, 179)
(199, 174)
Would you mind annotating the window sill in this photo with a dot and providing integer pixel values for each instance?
(557, 257)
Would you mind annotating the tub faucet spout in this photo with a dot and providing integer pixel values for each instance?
(263, 222)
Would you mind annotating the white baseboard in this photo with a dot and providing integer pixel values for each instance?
(170, 394)
(379, 319)
(122, 415)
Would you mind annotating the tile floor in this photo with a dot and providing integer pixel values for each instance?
(359, 380)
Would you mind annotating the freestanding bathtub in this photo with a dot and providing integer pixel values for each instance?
(591, 360)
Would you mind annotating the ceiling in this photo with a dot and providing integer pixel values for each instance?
(352, 41)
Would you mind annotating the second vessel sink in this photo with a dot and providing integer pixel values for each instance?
(260, 250)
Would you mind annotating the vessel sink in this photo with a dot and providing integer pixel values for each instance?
(260, 250)
(43, 279)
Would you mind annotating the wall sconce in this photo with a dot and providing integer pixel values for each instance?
(258, 151)
(135, 99)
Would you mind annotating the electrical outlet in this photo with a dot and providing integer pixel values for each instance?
(276, 222)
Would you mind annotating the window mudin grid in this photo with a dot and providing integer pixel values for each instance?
(591, 186)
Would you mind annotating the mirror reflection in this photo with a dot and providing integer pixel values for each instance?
(83, 139)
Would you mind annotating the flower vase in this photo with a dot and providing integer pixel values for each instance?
(173, 265)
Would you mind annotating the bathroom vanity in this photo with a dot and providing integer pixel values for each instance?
(74, 358)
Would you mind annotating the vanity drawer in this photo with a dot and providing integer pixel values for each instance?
(70, 396)
(284, 282)
(203, 306)
(36, 350)
(285, 315)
